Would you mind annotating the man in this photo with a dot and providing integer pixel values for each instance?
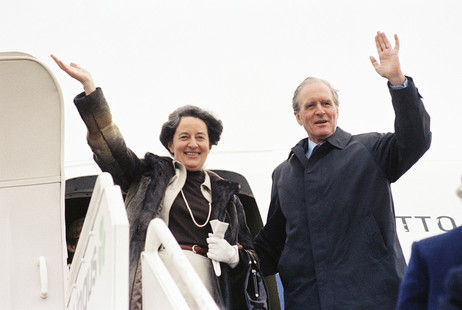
(72, 237)
(330, 231)
(432, 259)
(452, 299)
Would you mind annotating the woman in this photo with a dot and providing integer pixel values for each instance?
(177, 190)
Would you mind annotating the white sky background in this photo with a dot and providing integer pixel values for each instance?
(242, 60)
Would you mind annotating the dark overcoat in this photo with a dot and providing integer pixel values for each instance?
(145, 181)
(330, 231)
(452, 299)
(432, 258)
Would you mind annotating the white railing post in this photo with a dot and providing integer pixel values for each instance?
(159, 289)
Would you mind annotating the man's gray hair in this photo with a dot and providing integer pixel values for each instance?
(311, 80)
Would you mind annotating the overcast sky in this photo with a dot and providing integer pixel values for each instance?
(242, 60)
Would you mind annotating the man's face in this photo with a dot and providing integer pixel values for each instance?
(318, 113)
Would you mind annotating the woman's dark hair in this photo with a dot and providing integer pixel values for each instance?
(214, 125)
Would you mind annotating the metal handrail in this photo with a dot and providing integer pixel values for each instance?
(159, 289)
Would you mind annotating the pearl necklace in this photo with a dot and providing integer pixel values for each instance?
(192, 216)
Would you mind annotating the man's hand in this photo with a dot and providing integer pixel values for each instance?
(389, 66)
(80, 74)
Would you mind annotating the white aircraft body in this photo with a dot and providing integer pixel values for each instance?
(241, 60)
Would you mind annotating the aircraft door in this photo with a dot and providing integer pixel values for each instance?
(32, 255)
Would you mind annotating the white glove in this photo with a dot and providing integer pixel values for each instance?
(220, 250)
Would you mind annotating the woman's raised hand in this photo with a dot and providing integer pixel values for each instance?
(78, 73)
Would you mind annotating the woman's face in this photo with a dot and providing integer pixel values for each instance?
(190, 145)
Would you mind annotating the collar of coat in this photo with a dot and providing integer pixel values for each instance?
(339, 139)
(161, 169)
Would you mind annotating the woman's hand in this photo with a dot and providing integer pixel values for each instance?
(221, 251)
(78, 73)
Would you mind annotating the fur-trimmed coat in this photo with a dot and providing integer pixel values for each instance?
(145, 181)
